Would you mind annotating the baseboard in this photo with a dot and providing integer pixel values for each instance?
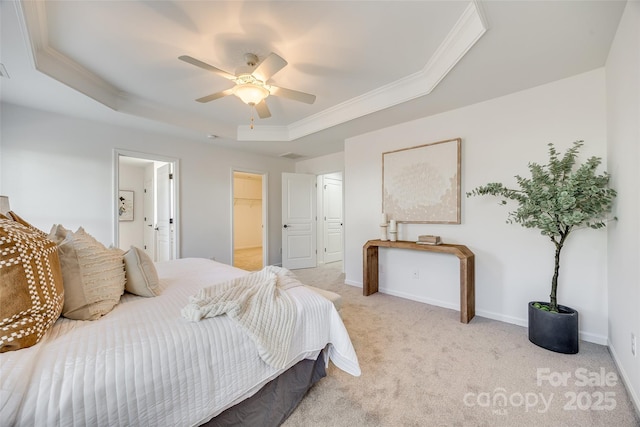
(353, 283)
(438, 303)
(594, 338)
(633, 394)
(502, 317)
(585, 336)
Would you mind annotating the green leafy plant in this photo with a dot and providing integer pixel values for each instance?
(558, 198)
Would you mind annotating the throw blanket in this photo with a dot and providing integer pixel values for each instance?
(259, 304)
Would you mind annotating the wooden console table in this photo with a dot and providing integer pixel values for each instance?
(467, 270)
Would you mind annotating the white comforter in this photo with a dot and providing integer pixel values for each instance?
(144, 365)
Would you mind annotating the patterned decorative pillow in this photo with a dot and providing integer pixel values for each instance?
(93, 276)
(142, 277)
(17, 218)
(30, 285)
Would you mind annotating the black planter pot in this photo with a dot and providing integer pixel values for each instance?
(554, 331)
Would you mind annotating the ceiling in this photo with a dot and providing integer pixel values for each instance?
(371, 64)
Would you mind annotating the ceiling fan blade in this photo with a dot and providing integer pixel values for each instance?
(263, 110)
(293, 94)
(204, 65)
(269, 66)
(216, 95)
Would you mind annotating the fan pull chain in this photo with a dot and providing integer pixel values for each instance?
(252, 109)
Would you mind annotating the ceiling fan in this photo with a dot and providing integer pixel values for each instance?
(252, 82)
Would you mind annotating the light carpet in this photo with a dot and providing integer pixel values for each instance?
(249, 259)
(422, 367)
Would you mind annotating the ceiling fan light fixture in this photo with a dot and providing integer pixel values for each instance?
(251, 93)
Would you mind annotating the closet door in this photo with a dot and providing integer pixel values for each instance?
(332, 204)
(298, 220)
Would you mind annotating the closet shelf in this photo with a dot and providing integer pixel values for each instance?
(251, 201)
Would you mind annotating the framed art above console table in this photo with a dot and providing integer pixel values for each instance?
(421, 184)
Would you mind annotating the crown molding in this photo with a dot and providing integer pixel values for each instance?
(33, 26)
(469, 28)
(47, 60)
(465, 33)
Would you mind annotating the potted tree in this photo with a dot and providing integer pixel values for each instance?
(557, 199)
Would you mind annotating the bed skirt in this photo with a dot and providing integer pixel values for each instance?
(273, 404)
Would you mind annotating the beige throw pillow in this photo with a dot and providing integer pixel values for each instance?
(142, 277)
(93, 276)
(31, 291)
(57, 233)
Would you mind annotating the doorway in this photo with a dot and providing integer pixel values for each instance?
(145, 194)
(249, 217)
(312, 219)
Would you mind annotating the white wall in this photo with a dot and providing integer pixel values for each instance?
(58, 169)
(623, 128)
(322, 165)
(513, 265)
(132, 232)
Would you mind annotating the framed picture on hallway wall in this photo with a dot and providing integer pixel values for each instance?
(125, 205)
(421, 184)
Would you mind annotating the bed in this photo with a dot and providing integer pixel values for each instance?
(144, 364)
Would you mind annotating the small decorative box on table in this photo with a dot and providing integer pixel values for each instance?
(467, 270)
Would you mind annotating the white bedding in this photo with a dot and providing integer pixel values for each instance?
(259, 304)
(144, 365)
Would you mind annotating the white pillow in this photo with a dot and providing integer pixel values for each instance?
(93, 276)
(142, 277)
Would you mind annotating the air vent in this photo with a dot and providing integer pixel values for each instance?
(3, 71)
(292, 156)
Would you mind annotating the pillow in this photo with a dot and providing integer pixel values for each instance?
(93, 276)
(57, 233)
(142, 277)
(16, 218)
(31, 285)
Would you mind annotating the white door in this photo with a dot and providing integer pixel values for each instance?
(332, 203)
(164, 226)
(149, 215)
(298, 220)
